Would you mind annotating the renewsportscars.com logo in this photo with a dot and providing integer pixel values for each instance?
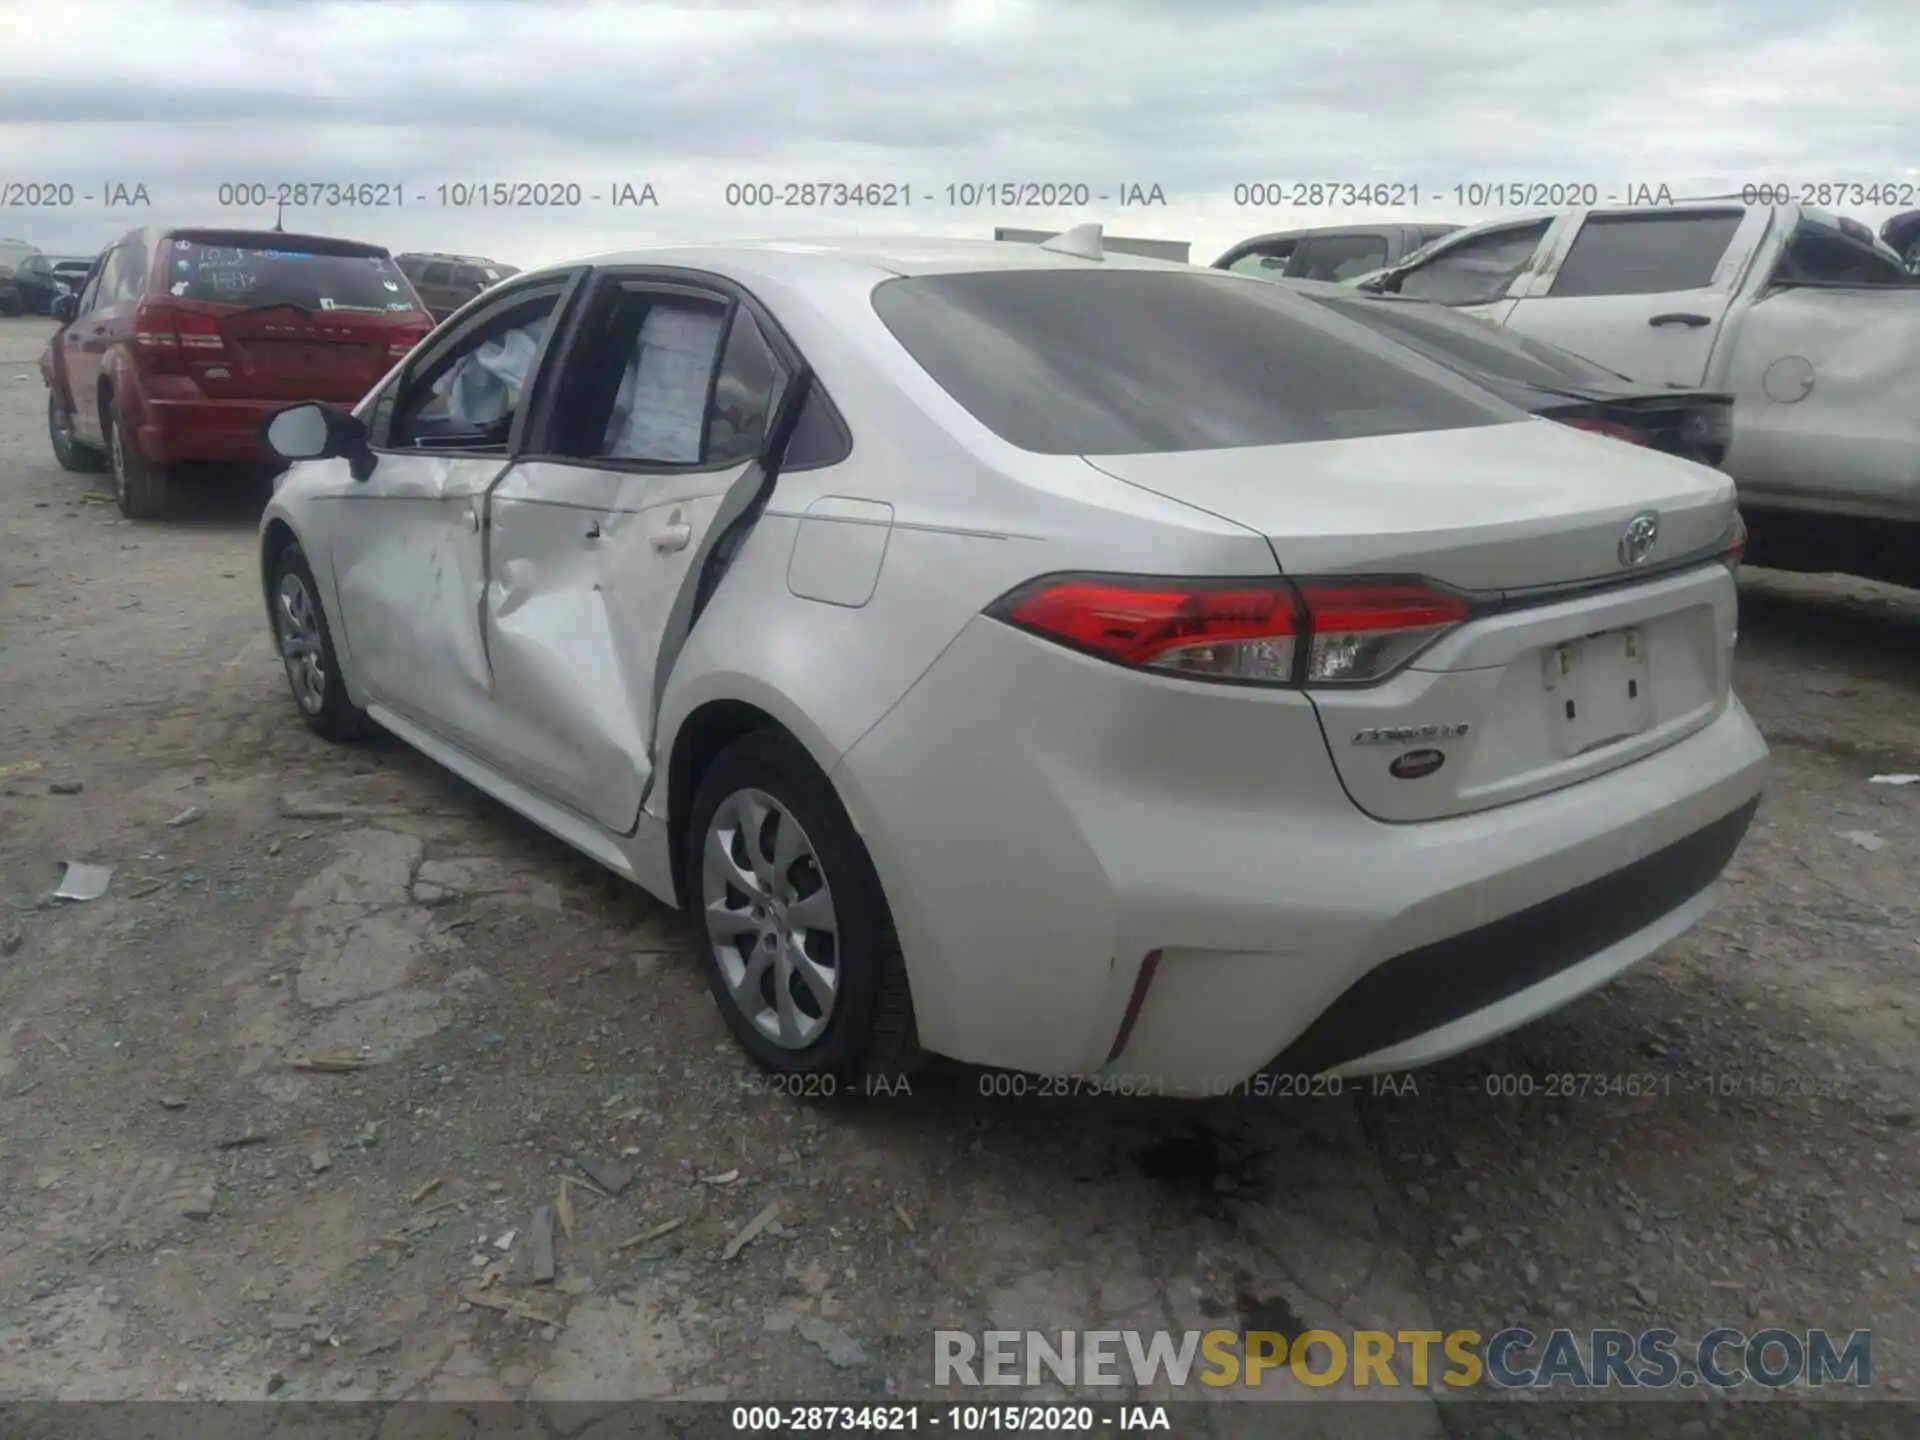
(1510, 1359)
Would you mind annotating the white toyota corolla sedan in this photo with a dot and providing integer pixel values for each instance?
(1058, 661)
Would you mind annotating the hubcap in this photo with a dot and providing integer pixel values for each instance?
(770, 919)
(298, 624)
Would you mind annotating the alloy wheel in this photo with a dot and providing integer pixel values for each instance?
(770, 918)
(297, 620)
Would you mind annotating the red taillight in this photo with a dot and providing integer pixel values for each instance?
(1368, 631)
(404, 341)
(1316, 632)
(1737, 547)
(166, 333)
(1608, 427)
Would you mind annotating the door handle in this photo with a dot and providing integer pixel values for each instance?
(593, 530)
(671, 537)
(1680, 317)
(473, 518)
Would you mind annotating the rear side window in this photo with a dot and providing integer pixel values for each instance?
(301, 275)
(1645, 254)
(1073, 362)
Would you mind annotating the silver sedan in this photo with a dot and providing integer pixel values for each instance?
(1053, 660)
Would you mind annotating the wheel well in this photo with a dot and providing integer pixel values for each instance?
(705, 733)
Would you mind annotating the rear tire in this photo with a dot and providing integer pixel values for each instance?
(71, 453)
(305, 642)
(766, 927)
(142, 491)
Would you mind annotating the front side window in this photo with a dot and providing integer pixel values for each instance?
(467, 397)
(1478, 271)
(1652, 254)
(1130, 362)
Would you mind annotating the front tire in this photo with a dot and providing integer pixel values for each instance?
(306, 649)
(69, 451)
(801, 952)
(141, 490)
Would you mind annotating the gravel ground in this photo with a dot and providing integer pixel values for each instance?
(185, 1211)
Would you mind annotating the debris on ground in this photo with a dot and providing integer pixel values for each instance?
(610, 1175)
(1894, 780)
(425, 1190)
(83, 882)
(185, 817)
(1865, 839)
(507, 1305)
(65, 787)
(337, 1062)
(544, 1267)
(841, 1349)
(563, 1209)
(750, 1230)
(666, 1227)
(320, 1160)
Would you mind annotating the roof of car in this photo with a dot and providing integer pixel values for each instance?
(443, 255)
(791, 260)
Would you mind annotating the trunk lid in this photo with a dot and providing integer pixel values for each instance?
(1572, 664)
(1487, 508)
(284, 354)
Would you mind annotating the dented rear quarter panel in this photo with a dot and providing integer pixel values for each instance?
(1826, 386)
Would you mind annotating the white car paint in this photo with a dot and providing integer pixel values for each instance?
(1047, 826)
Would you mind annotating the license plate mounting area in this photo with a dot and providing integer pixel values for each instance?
(1597, 689)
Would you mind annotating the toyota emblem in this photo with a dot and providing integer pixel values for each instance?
(1636, 541)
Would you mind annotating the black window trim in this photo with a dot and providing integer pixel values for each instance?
(669, 280)
(439, 345)
(1777, 281)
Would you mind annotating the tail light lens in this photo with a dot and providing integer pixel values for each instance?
(404, 341)
(165, 335)
(1613, 429)
(1310, 632)
(1737, 546)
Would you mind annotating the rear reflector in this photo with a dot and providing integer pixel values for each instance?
(1309, 632)
(1737, 547)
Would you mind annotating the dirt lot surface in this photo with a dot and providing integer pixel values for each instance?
(185, 1211)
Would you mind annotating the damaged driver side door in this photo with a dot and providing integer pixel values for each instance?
(642, 447)
(409, 542)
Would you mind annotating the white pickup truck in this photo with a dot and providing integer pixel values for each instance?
(1807, 320)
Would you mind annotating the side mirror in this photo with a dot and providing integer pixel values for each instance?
(312, 431)
(63, 308)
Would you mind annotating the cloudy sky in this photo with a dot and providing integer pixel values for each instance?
(212, 105)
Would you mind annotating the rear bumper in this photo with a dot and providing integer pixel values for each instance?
(1044, 822)
(227, 430)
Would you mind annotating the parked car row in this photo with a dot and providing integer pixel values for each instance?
(1808, 321)
(1447, 683)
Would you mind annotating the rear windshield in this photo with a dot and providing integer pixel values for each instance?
(1128, 362)
(1475, 346)
(311, 279)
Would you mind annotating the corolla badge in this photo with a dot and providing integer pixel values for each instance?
(1637, 540)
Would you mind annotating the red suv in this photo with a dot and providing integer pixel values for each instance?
(182, 342)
